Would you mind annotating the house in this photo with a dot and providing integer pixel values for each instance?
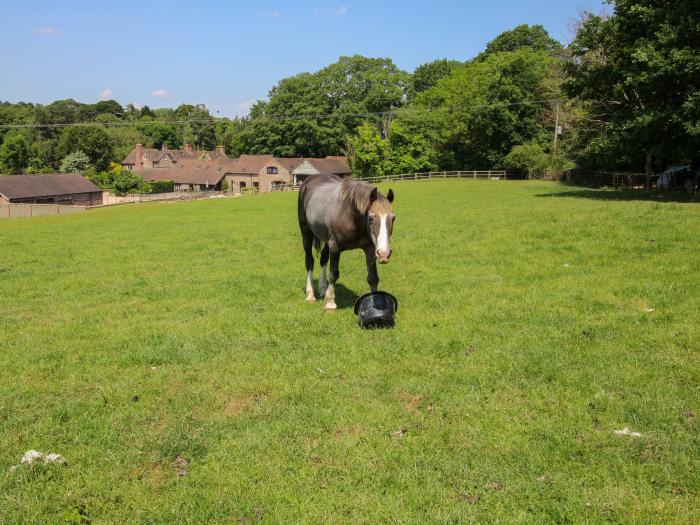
(54, 188)
(262, 172)
(189, 175)
(194, 170)
(142, 158)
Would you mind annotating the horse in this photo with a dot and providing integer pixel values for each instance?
(343, 214)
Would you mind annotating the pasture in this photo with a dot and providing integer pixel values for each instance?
(167, 352)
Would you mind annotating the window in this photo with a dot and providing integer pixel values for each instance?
(256, 185)
(242, 184)
(271, 170)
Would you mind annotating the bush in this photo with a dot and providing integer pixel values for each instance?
(161, 186)
(126, 181)
(76, 162)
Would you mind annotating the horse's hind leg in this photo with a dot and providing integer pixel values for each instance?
(322, 282)
(308, 240)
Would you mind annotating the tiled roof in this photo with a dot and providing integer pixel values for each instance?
(187, 171)
(28, 186)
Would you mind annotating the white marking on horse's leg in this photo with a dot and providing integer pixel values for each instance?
(322, 283)
(310, 287)
(330, 297)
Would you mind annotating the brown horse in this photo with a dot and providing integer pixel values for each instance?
(343, 214)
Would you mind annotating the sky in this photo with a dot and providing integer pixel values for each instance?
(227, 54)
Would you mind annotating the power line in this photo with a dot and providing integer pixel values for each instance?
(307, 116)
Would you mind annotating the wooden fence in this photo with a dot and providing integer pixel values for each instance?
(599, 179)
(428, 175)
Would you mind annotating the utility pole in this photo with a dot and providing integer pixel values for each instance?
(556, 130)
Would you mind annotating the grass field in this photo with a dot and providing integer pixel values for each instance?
(167, 352)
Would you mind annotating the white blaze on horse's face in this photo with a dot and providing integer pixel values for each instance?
(380, 225)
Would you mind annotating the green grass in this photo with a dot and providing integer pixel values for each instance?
(138, 337)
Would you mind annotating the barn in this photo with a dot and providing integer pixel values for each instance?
(71, 189)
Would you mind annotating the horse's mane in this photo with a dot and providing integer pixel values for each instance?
(359, 194)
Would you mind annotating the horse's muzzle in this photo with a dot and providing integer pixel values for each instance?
(383, 257)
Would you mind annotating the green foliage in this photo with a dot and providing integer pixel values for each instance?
(534, 37)
(351, 85)
(94, 141)
(368, 152)
(159, 133)
(637, 73)
(427, 75)
(408, 152)
(529, 158)
(474, 117)
(161, 186)
(126, 181)
(14, 153)
(76, 162)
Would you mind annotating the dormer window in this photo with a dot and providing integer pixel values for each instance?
(271, 170)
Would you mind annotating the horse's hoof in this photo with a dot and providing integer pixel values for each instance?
(310, 299)
(330, 306)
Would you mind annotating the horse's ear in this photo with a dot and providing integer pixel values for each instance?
(390, 196)
(373, 195)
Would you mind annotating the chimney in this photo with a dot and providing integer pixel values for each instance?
(138, 163)
(220, 149)
(187, 148)
(164, 147)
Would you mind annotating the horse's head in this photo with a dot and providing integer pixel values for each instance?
(380, 223)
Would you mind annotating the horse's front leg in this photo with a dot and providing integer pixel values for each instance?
(333, 276)
(372, 275)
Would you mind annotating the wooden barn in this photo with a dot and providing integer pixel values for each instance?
(71, 189)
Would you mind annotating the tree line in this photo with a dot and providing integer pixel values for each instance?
(624, 95)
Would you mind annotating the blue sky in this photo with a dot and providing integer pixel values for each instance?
(228, 54)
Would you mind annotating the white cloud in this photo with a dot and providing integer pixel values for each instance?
(270, 12)
(106, 94)
(160, 93)
(341, 10)
(45, 31)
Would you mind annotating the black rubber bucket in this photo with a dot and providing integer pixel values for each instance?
(376, 310)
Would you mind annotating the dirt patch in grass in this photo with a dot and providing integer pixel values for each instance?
(411, 402)
(237, 405)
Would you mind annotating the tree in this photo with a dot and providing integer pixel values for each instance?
(160, 133)
(94, 141)
(408, 152)
(530, 158)
(126, 181)
(368, 152)
(427, 75)
(200, 131)
(109, 107)
(474, 117)
(637, 75)
(14, 153)
(523, 36)
(76, 162)
(351, 86)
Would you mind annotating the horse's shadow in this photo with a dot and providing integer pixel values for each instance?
(344, 297)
